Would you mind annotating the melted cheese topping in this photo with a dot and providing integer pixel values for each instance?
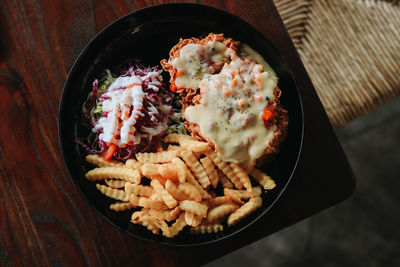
(249, 53)
(231, 107)
(196, 60)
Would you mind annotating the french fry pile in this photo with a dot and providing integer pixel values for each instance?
(183, 179)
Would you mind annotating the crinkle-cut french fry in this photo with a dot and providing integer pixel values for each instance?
(174, 190)
(192, 219)
(219, 201)
(166, 197)
(174, 147)
(121, 206)
(226, 169)
(175, 213)
(234, 197)
(150, 225)
(210, 170)
(100, 162)
(146, 202)
(219, 213)
(263, 179)
(181, 169)
(158, 157)
(194, 207)
(244, 194)
(243, 176)
(257, 191)
(205, 228)
(190, 191)
(250, 206)
(157, 197)
(112, 193)
(113, 173)
(150, 170)
(197, 155)
(163, 226)
(167, 215)
(137, 215)
(174, 138)
(191, 180)
(178, 149)
(134, 164)
(168, 171)
(237, 195)
(224, 180)
(144, 219)
(115, 183)
(196, 168)
(175, 228)
(138, 190)
(161, 179)
(193, 145)
(128, 189)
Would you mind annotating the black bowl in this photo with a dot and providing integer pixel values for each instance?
(148, 34)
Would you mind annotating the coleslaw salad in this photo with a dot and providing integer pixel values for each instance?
(129, 113)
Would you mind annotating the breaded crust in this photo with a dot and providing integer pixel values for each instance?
(191, 96)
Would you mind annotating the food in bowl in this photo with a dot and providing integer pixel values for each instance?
(148, 162)
(127, 114)
(230, 97)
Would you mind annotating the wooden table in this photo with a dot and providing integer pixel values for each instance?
(44, 220)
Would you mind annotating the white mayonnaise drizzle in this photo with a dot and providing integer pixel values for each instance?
(123, 105)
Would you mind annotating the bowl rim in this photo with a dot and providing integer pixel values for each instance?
(68, 81)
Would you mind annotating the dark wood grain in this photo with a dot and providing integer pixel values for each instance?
(43, 218)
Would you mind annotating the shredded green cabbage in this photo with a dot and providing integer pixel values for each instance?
(95, 112)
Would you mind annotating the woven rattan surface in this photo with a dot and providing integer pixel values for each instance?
(351, 50)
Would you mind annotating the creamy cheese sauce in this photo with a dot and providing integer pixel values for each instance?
(249, 53)
(196, 60)
(231, 107)
(122, 108)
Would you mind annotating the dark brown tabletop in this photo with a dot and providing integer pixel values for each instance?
(44, 219)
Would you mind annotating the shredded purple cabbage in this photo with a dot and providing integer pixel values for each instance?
(92, 100)
(97, 146)
(152, 98)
